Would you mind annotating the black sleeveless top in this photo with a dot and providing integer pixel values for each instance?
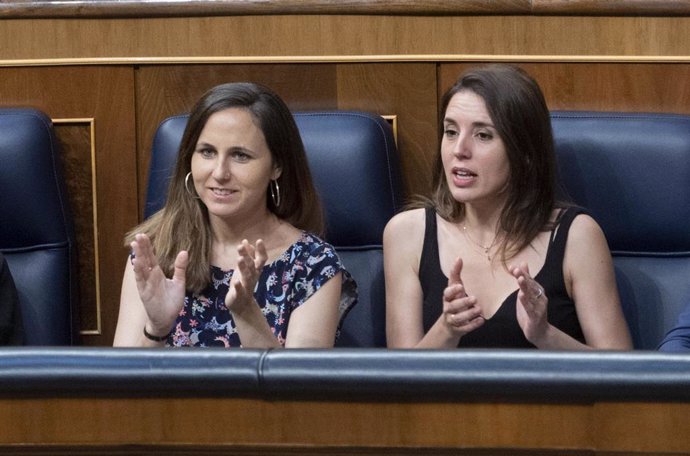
(502, 330)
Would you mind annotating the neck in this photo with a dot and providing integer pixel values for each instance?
(259, 225)
(482, 223)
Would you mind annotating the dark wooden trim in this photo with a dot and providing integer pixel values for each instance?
(24, 9)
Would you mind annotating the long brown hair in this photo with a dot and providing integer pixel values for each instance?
(518, 110)
(183, 223)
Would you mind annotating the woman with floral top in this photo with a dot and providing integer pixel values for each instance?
(234, 258)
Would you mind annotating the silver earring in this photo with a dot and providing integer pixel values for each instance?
(275, 195)
(186, 185)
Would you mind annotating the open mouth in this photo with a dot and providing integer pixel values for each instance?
(222, 191)
(463, 173)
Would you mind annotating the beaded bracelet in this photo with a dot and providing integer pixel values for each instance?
(150, 336)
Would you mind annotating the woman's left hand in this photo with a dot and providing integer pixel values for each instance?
(251, 260)
(531, 305)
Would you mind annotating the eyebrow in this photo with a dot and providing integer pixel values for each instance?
(474, 124)
(204, 144)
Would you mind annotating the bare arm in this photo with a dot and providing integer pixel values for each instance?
(402, 246)
(314, 323)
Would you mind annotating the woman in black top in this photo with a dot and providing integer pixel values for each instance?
(492, 259)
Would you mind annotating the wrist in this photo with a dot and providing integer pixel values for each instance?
(156, 335)
(245, 309)
(540, 339)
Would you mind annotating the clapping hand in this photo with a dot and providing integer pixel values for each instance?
(163, 298)
(460, 311)
(249, 264)
(531, 305)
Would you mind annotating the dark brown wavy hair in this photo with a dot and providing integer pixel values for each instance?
(518, 110)
(183, 223)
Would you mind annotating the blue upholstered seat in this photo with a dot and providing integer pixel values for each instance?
(632, 172)
(36, 233)
(355, 166)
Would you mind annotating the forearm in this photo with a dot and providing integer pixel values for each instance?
(439, 336)
(253, 328)
(555, 339)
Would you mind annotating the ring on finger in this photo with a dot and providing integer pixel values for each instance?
(539, 293)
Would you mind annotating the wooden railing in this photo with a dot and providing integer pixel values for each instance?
(168, 8)
(342, 402)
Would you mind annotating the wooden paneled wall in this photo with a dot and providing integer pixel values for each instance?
(239, 426)
(108, 81)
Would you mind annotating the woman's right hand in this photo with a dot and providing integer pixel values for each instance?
(163, 298)
(461, 313)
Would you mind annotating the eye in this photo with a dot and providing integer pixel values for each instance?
(450, 132)
(206, 152)
(484, 135)
(240, 156)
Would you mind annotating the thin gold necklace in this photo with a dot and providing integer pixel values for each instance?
(487, 249)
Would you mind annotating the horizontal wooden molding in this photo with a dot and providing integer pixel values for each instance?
(197, 60)
(188, 8)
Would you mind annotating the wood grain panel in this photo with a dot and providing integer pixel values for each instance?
(105, 94)
(163, 91)
(285, 424)
(320, 36)
(407, 90)
(76, 141)
(604, 86)
(285, 427)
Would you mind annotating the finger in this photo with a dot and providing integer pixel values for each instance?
(461, 304)
(243, 248)
(465, 317)
(454, 292)
(455, 272)
(248, 274)
(141, 270)
(249, 248)
(180, 271)
(145, 253)
(261, 254)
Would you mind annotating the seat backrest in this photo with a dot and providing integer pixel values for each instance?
(36, 232)
(355, 166)
(631, 171)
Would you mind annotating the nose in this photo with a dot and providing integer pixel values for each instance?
(463, 145)
(221, 171)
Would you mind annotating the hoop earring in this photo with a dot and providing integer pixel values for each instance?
(275, 195)
(186, 185)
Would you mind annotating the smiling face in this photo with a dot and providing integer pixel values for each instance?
(474, 156)
(232, 166)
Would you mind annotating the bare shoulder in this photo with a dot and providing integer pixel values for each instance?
(406, 222)
(404, 233)
(585, 229)
(586, 248)
(409, 224)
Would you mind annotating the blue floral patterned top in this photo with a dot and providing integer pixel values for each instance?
(284, 285)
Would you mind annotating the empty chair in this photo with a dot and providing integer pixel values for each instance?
(36, 232)
(632, 173)
(356, 170)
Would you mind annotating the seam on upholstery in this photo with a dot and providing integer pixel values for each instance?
(611, 115)
(260, 369)
(31, 248)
